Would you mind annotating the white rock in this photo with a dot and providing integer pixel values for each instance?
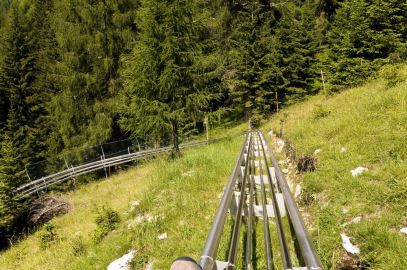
(345, 210)
(358, 171)
(348, 246)
(220, 195)
(290, 185)
(150, 266)
(357, 219)
(344, 150)
(134, 204)
(354, 220)
(316, 152)
(298, 190)
(280, 144)
(403, 230)
(139, 219)
(190, 173)
(285, 171)
(162, 236)
(271, 133)
(123, 262)
(149, 217)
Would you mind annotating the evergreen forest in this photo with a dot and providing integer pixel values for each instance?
(79, 73)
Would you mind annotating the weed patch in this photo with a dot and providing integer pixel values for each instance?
(48, 236)
(106, 221)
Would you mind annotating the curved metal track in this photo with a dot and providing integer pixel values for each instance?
(42, 184)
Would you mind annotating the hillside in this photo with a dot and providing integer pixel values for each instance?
(77, 74)
(180, 196)
(364, 126)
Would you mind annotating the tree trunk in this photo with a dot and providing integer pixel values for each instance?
(175, 139)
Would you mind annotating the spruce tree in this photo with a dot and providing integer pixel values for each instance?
(10, 208)
(91, 37)
(164, 92)
(294, 50)
(249, 83)
(364, 33)
(16, 78)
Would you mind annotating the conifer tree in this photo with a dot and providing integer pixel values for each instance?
(164, 91)
(91, 37)
(249, 84)
(363, 34)
(16, 79)
(294, 51)
(10, 208)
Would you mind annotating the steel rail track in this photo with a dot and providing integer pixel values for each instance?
(36, 186)
(240, 201)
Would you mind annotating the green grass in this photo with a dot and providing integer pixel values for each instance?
(371, 122)
(183, 194)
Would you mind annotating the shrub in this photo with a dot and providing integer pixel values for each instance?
(78, 245)
(140, 261)
(320, 112)
(392, 75)
(106, 220)
(255, 120)
(48, 236)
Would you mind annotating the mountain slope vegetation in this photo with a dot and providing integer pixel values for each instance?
(178, 197)
(75, 74)
(364, 126)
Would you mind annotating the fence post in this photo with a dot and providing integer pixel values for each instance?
(138, 144)
(102, 158)
(206, 122)
(29, 178)
(323, 82)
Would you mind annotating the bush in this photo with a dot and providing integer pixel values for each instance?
(392, 75)
(140, 261)
(78, 245)
(255, 120)
(48, 236)
(106, 220)
(320, 112)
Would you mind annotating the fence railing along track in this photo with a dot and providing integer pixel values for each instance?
(257, 174)
(45, 182)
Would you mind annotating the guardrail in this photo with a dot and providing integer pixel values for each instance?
(44, 183)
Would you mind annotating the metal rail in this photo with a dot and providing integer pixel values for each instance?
(308, 252)
(240, 199)
(207, 260)
(44, 183)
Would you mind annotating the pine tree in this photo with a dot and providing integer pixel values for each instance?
(10, 208)
(24, 85)
(364, 33)
(91, 37)
(164, 92)
(294, 52)
(16, 79)
(249, 83)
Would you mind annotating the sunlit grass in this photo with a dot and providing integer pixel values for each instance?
(371, 123)
(183, 194)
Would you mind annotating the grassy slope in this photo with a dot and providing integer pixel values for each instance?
(371, 122)
(183, 193)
